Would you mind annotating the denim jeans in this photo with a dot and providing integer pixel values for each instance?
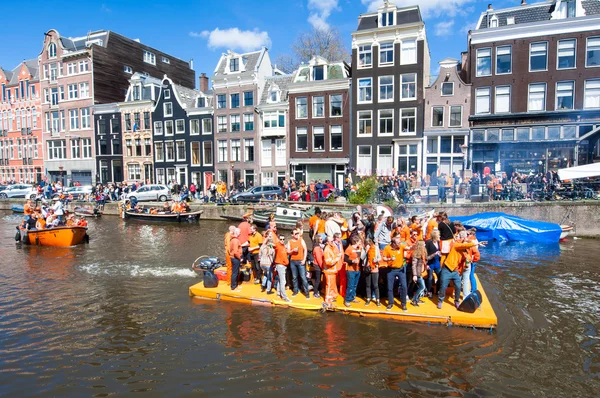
(441, 194)
(472, 276)
(382, 246)
(429, 282)
(420, 288)
(391, 276)
(267, 277)
(466, 279)
(235, 272)
(445, 277)
(298, 269)
(352, 281)
(281, 271)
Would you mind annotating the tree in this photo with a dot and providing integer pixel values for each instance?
(326, 43)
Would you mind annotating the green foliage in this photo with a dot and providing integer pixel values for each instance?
(391, 203)
(365, 191)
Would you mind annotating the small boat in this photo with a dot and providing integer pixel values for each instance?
(192, 216)
(83, 211)
(17, 208)
(566, 231)
(285, 217)
(55, 237)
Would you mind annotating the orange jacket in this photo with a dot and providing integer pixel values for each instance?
(333, 259)
(457, 255)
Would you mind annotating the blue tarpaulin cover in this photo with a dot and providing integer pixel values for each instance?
(506, 227)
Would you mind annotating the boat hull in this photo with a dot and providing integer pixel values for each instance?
(193, 216)
(57, 237)
(86, 212)
(17, 208)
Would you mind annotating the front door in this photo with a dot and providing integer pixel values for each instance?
(182, 174)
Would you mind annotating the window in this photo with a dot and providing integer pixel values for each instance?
(386, 53)
(84, 90)
(447, 88)
(437, 116)
(222, 124)
(85, 118)
(52, 50)
(138, 147)
(71, 68)
(538, 133)
(57, 149)
(194, 127)
(386, 122)
(73, 91)
(566, 54)
(318, 139)
(168, 109)
(158, 128)
(158, 152)
(592, 57)
(554, 132)
(201, 102)
(180, 126)
(301, 139)
(135, 171)
(538, 56)
(249, 122)
(236, 151)
(301, 108)
(221, 101)
(274, 119)
(386, 88)
(127, 69)
(523, 134)
(537, 97)
(168, 127)
(74, 119)
(280, 152)
(592, 94)
(484, 62)
(75, 149)
(409, 88)
(167, 94)
(456, 116)
(364, 123)
(335, 105)
(234, 65)
(318, 106)
(273, 96)
(363, 161)
(166, 60)
(565, 95)
(249, 150)
(248, 98)
(567, 9)
(318, 73)
(235, 101)
(364, 56)
(146, 120)
(149, 57)
(335, 138)
(408, 120)
(432, 145)
(482, 100)
(169, 151)
(86, 145)
(386, 18)
(129, 149)
(195, 153)
(222, 150)
(409, 52)
(235, 122)
(365, 90)
(207, 153)
(180, 150)
(83, 66)
(266, 153)
(502, 104)
(503, 60)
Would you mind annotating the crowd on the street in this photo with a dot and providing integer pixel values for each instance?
(367, 255)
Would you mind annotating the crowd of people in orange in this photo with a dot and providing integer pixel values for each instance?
(412, 258)
(44, 217)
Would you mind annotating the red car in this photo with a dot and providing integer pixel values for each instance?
(328, 189)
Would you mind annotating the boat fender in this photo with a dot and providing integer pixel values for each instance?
(471, 302)
(210, 279)
(86, 238)
(18, 235)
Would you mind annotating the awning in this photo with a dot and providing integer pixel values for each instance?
(298, 161)
(588, 170)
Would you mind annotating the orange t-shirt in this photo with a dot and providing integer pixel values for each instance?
(345, 233)
(296, 244)
(431, 225)
(352, 254)
(27, 209)
(254, 241)
(321, 227)
(281, 255)
(235, 248)
(244, 231)
(312, 222)
(371, 253)
(417, 227)
(389, 252)
(331, 254)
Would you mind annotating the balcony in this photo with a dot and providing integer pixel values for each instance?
(273, 132)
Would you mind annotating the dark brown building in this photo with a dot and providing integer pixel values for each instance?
(535, 75)
(320, 122)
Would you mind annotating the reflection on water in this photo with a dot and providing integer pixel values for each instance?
(114, 316)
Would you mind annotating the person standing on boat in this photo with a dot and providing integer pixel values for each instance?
(312, 222)
(468, 277)
(281, 263)
(352, 261)
(267, 256)
(297, 249)
(433, 260)
(58, 209)
(419, 266)
(235, 251)
(333, 261)
(451, 266)
(255, 240)
(318, 264)
(384, 232)
(244, 228)
(371, 270)
(228, 236)
(394, 255)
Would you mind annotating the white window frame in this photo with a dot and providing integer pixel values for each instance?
(386, 50)
(595, 82)
(165, 106)
(304, 133)
(379, 156)
(180, 144)
(198, 130)
(402, 98)
(358, 89)
(158, 131)
(179, 122)
(266, 153)
(401, 117)
(359, 170)
(403, 48)
(443, 115)
(387, 85)
(341, 105)
(501, 88)
(219, 123)
(489, 96)
(547, 56)
(574, 40)
(587, 47)
(297, 107)
(314, 107)
(170, 123)
(341, 132)
(149, 57)
(314, 134)
(222, 149)
(167, 94)
(232, 119)
(206, 124)
(478, 57)
(361, 51)
(204, 162)
(529, 97)
(450, 116)
(238, 145)
(379, 133)
(370, 112)
(572, 82)
(127, 69)
(499, 48)
(84, 90)
(442, 89)
(159, 153)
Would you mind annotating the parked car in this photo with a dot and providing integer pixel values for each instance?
(150, 192)
(257, 193)
(19, 191)
(77, 192)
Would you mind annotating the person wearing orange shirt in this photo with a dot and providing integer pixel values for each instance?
(244, 232)
(475, 257)
(394, 255)
(281, 263)
(372, 271)
(318, 264)
(333, 259)
(28, 209)
(297, 249)
(352, 261)
(312, 222)
(227, 241)
(235, 251)
(415, 225)
(431, 225)
(255, 240)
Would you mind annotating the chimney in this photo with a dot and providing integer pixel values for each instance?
(490, 7)
(203, 82)
(191, 63)
(523, 2)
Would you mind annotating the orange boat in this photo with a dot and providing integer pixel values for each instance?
(56, 237)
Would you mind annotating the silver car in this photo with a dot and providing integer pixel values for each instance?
(150, 192)
(19, 191)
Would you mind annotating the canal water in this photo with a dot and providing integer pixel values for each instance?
(114, 317)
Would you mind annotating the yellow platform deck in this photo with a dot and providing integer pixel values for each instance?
(427, 312)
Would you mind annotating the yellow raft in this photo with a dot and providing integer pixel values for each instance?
(483, 317)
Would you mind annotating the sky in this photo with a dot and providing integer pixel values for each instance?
(203, 29)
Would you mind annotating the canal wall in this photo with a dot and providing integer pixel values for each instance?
(583, 215)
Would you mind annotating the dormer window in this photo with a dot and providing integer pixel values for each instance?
(273, 96)
(567, 8)
(234, 65)
(52, 50)
(494, 22)
(201, 102)
(149, 57)
(274, 93)
(386, 18)
(318, 72)
(137, 90)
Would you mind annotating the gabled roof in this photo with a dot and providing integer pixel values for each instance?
(282, 82)
(186, 96)
(251, 62)
(405, 15)
(12, 76)
(529, 13)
